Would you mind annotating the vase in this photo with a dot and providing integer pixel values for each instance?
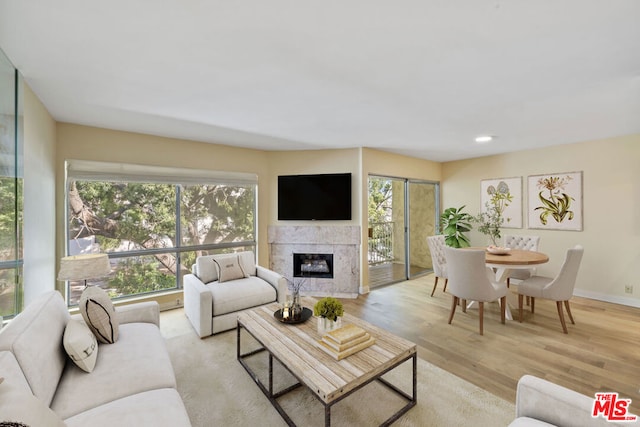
(327, 325)
(296, 307)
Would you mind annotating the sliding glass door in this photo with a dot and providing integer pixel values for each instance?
(402, 213)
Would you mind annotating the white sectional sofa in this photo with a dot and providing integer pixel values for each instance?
(132, 383)
(212, 303)
(541, 403)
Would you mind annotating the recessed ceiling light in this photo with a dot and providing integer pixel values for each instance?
(484, 138)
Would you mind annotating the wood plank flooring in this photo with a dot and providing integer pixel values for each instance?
(600, 353)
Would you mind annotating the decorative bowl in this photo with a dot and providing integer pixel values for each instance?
(497, 250)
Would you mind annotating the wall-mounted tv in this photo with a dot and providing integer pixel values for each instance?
(314, 197)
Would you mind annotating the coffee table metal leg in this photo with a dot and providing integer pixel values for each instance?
(327, 415)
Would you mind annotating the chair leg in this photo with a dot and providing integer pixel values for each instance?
(533, 305)
(445, 285)
(561, 315)
(503, 309)
(508, 281)
(520, 300)
(566, 304)
(464, 305)
(434, 286)
(454, 302)
(481, 315)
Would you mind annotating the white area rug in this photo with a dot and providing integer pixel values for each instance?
(218, 391)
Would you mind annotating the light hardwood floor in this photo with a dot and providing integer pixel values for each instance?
(600, 353)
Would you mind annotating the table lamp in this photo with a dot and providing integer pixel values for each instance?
(84, 267)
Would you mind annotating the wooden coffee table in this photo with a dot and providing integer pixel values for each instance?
(329, 380)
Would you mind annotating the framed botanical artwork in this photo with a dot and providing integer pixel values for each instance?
(506, 194)
(555, 201)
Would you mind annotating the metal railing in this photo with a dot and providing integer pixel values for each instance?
(380, 242)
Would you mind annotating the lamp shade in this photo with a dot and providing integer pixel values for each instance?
(83, 267)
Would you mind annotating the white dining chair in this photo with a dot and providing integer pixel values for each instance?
(438, 260)
(558, 289)
(525, 243)
(470, 279)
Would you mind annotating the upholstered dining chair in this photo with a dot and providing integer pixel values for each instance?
(438, 260)
(525, 243)
(558, 289)
(469, 279)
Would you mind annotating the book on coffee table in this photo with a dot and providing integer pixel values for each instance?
(345, 334)
(345, 341)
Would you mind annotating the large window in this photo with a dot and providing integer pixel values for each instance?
(154, 222)
(11, 207)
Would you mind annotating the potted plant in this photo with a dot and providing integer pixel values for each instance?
(328, 310)
(455, 223)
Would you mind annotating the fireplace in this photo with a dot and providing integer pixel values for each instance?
(313, 265)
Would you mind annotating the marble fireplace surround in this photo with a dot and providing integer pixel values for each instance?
(341, 241)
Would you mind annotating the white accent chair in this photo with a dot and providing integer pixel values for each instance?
(525, 243)
(438, 260)
(542, 403)
(558, 289)
(212, 306)
(470, 279)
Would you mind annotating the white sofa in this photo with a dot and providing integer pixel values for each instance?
(543, 403)
(132, 383)
(212, 305)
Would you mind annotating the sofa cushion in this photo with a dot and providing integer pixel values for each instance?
(137, 362)
(81, 345)
(162, 407)
(229, 268)
(19, 406)
(35, 339)
(240, 294)
(97, 311)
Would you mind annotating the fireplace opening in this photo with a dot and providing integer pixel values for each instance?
(313, 265)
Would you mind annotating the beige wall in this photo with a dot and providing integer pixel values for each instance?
(611, 231)
(313, 162)
(39, 198)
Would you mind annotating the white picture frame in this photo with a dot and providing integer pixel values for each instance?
(555, 201)
(512, 212)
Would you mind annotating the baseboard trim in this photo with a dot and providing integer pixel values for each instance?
(631, 302)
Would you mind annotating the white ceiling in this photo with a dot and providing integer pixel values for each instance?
(416, 77)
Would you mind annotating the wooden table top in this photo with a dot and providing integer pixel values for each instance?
(296, 347)
(516, 257)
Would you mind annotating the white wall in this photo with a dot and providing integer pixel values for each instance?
(611, 193)
(39, 198)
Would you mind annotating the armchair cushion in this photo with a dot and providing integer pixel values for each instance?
(229, 268)
(240, 294)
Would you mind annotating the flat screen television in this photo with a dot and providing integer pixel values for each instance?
(314, 197)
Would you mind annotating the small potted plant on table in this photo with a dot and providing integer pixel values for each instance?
(329, 311)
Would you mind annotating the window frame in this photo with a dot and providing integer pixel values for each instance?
(82, 170)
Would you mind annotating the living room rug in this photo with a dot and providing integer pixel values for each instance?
(218, 391)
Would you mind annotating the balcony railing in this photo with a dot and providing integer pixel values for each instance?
(380, 242)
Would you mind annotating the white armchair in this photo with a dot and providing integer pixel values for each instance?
(223, 285)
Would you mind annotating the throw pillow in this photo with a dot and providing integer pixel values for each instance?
(229, 268)
(99, 314)
(80, 344)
